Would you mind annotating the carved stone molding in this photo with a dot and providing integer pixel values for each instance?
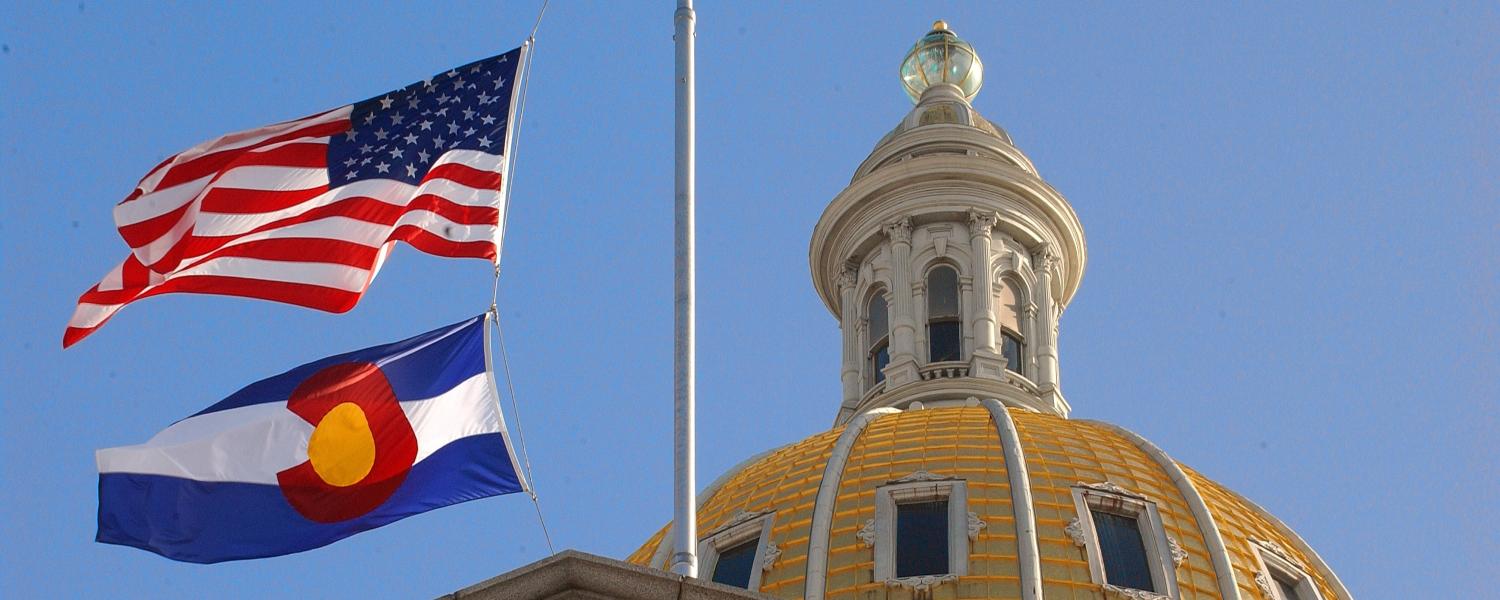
(1044, 259)
(848, 275)
(980, 223)
(921, 476)
(1279, 550)
(975, 524)
(1124, 593)
(940, 244)
(1111, 488)
(866, 533)
(1264, 583)
(1029, 309)
(899, 230)
(921, 585)
(1075, 531)
(741, 517)
(773, 552)
(1179, 555)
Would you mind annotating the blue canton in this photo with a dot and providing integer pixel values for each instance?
(399, 135)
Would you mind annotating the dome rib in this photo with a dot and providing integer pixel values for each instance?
(1028, 552)
(822, 517)
(1223, 572)
(1020, 470)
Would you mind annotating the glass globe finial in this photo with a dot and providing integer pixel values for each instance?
(941, 57)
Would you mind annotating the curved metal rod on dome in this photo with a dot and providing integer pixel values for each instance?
(828, 491)
(1020, 489)
(1331, 578)
(1223, 572)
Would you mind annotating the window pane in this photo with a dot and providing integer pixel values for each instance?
(942, 293)
(734, 564)
(878, 318)
(922, 538)
(1007, 306)
(943, 340)
(878, 361)
(1012, 349)
(1123, 550)
(1288, 590)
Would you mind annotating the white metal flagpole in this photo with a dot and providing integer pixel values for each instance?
(685, 506)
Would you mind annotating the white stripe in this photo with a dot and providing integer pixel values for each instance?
(158, 248)
(474, 159)
(388, 191)
(158, 203)
(248, 177)
(441, 226)
(270, 178)
(241, 139)
(89, 316)
(460, 193)
(353, 279)
(251, 444)
(113, 280)
(344, 277)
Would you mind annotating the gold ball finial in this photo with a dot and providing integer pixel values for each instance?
(939, 25)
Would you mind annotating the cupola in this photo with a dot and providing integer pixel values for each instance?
(947, 260)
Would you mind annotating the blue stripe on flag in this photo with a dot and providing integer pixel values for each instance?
(232, 521)
(438, 361)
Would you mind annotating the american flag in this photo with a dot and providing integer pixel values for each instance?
(305, 211)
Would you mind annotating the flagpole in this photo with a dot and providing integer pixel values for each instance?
(685, 506)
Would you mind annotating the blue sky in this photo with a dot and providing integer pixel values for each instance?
(1292, 282)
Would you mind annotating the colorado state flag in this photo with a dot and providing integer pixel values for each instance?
(316, 454)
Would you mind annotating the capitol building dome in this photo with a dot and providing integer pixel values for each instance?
(953, 469)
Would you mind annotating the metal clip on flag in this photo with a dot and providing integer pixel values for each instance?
(305, 211)
(321, 452)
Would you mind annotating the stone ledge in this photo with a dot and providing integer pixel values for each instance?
(571, 575)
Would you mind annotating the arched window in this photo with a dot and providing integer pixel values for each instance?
(1008, 323)
(879, 354)
(944, 322)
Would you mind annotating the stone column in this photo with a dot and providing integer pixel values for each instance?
(1045, 263)
(903, 367)
(986, 360)
(849, 322)
(980, 224)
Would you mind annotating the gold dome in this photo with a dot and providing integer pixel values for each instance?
(962, 443)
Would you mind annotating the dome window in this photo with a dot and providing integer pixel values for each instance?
(1009, 322)
(922, 529)
(879, 354)
(738, 553)
(944, 321)
(1281, 577)
(1122, 536)
(922, 538)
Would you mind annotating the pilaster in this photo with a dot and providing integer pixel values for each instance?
(903, 366)
(985, 361)
(849, 324)
(1045, 263)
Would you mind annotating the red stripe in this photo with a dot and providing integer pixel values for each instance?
(303, 250)
(311, 296)
(144, 232)
(466, 175)
(432, 243)
(213, 162)
(299, 155)
(364, 209)
(233, 201)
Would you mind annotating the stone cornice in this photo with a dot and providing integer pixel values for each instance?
(945, 188)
